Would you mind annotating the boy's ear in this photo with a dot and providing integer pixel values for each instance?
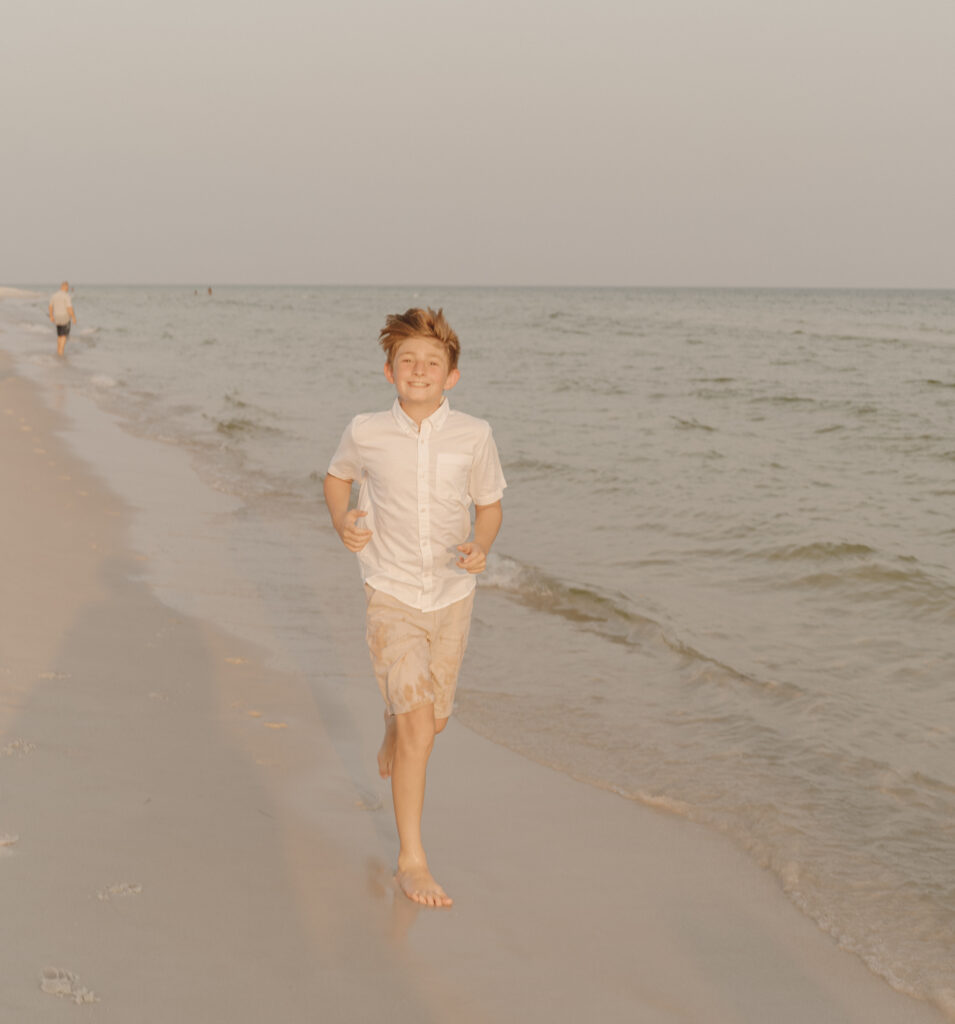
(453, 377)
(389, 373)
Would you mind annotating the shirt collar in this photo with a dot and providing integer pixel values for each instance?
(436, 420)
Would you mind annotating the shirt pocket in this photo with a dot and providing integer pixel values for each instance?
(451, 477)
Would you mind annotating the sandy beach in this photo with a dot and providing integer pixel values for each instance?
(190, 834)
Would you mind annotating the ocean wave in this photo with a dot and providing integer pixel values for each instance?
(242, 425)
(784, 400)
(538, 590)
(609, 616)
(867, 339)
(529, 467)
(879, 581)
(818, 551)
(234, 400)
(692, 424)
(597, 386)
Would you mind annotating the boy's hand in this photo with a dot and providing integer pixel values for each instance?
(474, 558)
(353, 536)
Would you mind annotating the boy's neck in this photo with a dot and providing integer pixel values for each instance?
(419, 413)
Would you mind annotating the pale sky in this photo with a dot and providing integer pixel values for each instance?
(513, 142)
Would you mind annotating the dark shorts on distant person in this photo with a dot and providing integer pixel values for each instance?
(417, 655)
(62, 329)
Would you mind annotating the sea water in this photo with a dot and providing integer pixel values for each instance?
(726, 580)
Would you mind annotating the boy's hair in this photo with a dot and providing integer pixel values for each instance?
(419, 323)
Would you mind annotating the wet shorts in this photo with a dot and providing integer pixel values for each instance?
(417, 655)
(62, 329)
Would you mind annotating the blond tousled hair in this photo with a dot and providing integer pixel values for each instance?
(419, 323)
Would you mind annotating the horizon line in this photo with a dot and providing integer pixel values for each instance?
(608, 287)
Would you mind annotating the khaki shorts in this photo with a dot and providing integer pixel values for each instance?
(417, 655)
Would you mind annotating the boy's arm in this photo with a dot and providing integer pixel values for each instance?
(487, 523)
(337, 496)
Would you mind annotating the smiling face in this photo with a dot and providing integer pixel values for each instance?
(420, 373)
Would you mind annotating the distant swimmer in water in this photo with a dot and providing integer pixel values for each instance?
(62, 314)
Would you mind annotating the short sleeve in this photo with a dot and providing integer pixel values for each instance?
(346, 462)
(487, 481)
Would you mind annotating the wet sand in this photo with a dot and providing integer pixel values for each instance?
(189, 833)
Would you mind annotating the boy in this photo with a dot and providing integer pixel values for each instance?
(61, 314)
(420, 466)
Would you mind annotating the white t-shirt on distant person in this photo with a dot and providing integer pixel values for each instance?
(62, 307)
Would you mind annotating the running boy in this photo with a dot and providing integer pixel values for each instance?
(420, 466)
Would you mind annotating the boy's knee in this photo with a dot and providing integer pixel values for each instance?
(417, 729)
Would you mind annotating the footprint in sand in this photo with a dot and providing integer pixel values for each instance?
(17, 748)
(368, 801)
(379, 878)
(119, 889)
(66, 985)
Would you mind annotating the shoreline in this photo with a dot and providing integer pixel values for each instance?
(262, 841)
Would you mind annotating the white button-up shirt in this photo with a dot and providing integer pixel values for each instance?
(417, 487)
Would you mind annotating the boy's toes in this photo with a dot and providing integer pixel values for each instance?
(420, 887)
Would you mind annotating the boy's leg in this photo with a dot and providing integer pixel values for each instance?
(386, 752)
(414, 738)
(416, 657)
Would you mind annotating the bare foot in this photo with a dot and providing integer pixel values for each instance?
(419, 886)
(386, 753)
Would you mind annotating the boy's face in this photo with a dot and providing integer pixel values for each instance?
(419, 371)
